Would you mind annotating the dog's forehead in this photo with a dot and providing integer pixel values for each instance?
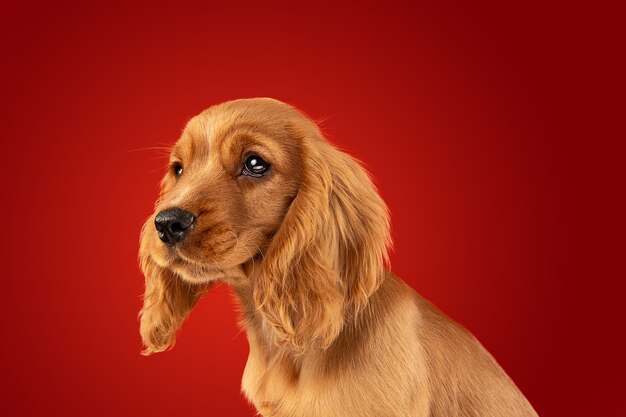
(198, 136)
(207, 131)
(201, 129)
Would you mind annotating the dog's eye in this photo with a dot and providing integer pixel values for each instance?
(177, 169)
(255, 166)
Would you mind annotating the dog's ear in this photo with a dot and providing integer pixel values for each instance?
(166, 303)
(361, 220)
(328, 255)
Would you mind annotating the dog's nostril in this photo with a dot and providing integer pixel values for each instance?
(173, 224)
(177, 227)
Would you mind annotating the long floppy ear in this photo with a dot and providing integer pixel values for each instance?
(328, 255)
(166, 303)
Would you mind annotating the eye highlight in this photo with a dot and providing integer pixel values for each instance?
(177, 169)
(255, 166)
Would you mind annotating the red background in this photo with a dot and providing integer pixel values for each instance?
(487, 128)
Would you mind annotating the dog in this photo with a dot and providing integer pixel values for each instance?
(257, 198)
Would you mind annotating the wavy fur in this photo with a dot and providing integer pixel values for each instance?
(332, 331)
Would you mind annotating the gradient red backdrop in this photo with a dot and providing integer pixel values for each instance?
(483, 125)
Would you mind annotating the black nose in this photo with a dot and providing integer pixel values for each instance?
(173, 224)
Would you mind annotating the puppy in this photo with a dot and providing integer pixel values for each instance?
(255, 197)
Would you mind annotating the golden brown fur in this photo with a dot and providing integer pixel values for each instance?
(331, 331)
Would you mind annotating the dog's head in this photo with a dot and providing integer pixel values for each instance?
(256, 197)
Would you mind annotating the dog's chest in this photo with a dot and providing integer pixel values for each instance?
(279, 389)
(273, 386)
(284, 388)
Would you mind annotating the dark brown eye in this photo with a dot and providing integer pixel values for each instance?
(255, 166)
(177, 169)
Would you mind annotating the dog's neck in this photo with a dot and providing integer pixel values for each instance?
(261, 336)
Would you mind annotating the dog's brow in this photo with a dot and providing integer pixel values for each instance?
(246, 140)
(244, 135)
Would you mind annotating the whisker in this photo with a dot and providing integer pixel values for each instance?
(152, 148)
(156, 158)
(235, 249)
(257, 246)
(259, 249)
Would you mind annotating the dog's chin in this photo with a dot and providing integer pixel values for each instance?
(189, 270)
(197, 274)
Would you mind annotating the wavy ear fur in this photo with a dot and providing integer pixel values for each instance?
(167, 302)
(328, 255)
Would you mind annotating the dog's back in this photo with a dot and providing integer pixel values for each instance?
(464, 379)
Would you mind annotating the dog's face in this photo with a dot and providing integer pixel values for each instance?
(257, 198)
(231, 178)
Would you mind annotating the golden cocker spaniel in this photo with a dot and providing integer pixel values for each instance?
(255, 197)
